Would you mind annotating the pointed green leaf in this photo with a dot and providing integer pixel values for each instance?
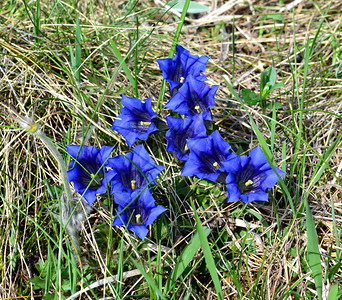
(250, 97)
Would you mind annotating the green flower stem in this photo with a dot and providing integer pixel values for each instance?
(61, 164)
(66, 206)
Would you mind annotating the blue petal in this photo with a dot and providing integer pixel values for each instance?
(123, 199)
(154, 213)
(258, 157)
(145, 162)
(254, 196)
(120, 218)
(271, 178)
(145, 199)
(73, 150)
(125, 171)
(104, 154)
(140, 230)
(181, 130)
(220, 143)
(90, 195)
(234, 192)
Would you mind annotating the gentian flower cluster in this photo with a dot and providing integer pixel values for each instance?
(92, 170)
(208, 157)
(132, 175)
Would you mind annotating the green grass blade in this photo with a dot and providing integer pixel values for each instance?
(148, 279)
(78, 55)
(124, 65)
(184, 259)
(314, 256)
(207, 254)
(323, 163)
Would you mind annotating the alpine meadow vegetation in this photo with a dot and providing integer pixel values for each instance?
(170, 150)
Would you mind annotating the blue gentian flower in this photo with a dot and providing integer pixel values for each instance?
(136, 120)
(85, 164)
(206, 157)
(193, 97)
(181, 130)
(138, 213)
(127, 176)
(176, 69)
(249, 177)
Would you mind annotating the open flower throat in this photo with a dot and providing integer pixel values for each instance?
(137, 214)
(89, 176)
(248, 179)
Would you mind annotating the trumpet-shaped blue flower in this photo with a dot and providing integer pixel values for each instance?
(127, 176)
(193, 97)
(176, 69)
(137, 214)
(249, 177)
(181, 130)
(206, 156)
(86, 170)
(136, 120)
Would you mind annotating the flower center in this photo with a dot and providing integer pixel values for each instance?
(181, 80)
(95, 180)
(145, 123)
(249, 182)
(137, 215)
(216, 165)
(33, 128)
(198, 109)
(133, 182)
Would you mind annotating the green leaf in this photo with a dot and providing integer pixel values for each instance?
(333, 292)
(208, 255)
(194, 7)
(250, 97)
(313, 254)
(184, 259)
(276, 17)
(37, 283)
(269, 76)
(277, 105)
(277, 86)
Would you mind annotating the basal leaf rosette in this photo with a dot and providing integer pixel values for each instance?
(180, 130)
(136, 120)
(128, 170)
(137, 214)
(192, 98)
(206, 157)
(250, 176)
(87, 170)
(176, 70)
